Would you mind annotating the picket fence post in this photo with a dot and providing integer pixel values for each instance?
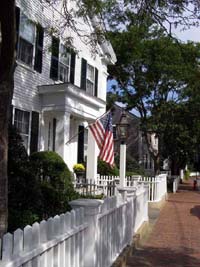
(92, 208)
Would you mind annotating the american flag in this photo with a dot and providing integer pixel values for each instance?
(102, 131)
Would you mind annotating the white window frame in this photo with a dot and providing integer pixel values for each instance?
(90, 80)
(22, 39)
(64, 63)
(29, 127)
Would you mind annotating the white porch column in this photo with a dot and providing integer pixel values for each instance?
(92, 154)
(42, 133)
(122, 169)
(62, 136)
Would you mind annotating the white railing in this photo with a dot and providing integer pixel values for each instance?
(92, 235)
(157, 186)
(129, 180)
(91, 187)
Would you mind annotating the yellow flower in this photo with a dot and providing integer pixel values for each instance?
(78, 167)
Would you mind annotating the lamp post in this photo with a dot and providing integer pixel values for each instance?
(122, 128)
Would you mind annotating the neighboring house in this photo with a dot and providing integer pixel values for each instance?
(136, 145)
(57, 92)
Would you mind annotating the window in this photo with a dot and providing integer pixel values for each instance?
(26, 40)
(90, 80)
(64, 64)
(21, 122)
(114, 132)
(29, 41)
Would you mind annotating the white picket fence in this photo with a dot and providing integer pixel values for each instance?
(157, 186)
(91, 235)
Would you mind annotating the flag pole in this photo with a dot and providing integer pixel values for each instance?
(86, 127)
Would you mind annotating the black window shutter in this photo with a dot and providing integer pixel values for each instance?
(80, 157)
(83, 73)
(54, 59)
(34, 132)
(96, 82)
(17, 20)
(72, 67)
(39, 49)
(54, 135)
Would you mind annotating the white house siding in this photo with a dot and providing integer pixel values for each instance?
(27, 80)
(70, 111)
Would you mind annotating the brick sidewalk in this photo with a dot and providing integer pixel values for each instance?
(175, 239)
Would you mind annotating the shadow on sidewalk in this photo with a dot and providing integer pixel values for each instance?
(195, 211)
(160, 257)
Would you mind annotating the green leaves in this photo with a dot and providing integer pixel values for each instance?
(160, 77)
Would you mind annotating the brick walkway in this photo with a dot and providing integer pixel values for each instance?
(175, 239)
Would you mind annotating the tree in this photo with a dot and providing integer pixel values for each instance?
(179, 136)
(152, 69)
(7, 61)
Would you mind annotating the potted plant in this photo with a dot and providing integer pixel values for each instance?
(79, 170)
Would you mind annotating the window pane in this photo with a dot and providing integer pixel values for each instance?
(25, 140)
(21, 121)
(114, 132)
(90, 72)
(63, 73)
(64, 55)
(25, 52)
(27, 29)
(89, 87)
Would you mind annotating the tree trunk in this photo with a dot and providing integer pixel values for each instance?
(4, 117)
(174, 167)
(7, 59)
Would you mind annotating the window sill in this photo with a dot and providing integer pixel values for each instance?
(23, 65)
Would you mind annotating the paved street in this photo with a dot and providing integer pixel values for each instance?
(175, 239)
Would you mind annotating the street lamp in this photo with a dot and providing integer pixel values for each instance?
(122, 129)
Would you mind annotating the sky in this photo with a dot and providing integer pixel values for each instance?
(192, 34)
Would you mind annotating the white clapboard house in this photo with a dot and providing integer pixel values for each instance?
(57, 91)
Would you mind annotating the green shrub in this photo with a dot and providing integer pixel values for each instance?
(104, 168)
(56, 182)
(186, 174)
(101, 196)
(24, 194)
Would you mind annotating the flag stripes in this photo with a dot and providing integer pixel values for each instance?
(102, 131)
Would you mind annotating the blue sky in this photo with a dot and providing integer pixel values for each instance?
(192, 34)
